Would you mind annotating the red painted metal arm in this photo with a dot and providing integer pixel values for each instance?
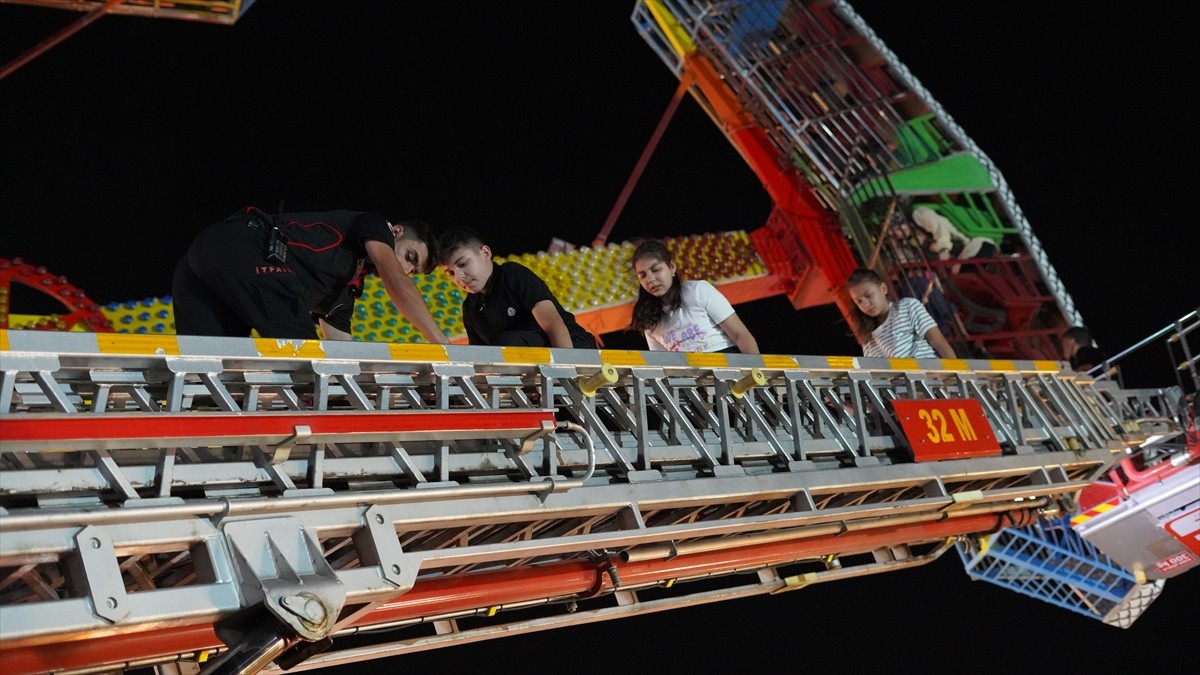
(135, 430)
(456, 593)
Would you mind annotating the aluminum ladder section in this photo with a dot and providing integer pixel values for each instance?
(156, 485)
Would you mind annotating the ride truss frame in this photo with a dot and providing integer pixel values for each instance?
(842, 114)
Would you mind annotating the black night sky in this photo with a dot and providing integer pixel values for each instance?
(524, 120)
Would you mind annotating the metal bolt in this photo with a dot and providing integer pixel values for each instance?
(306, 606)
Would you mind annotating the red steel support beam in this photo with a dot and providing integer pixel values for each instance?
(602, 238)
(47, 44)
(83, 430)
(455, 594)
(817, 228)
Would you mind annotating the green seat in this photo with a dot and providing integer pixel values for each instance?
(920, 141)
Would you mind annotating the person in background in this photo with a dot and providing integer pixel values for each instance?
(900, 329)
(506, 304)
(946, 241)
(1079, 351)
(282, 275)
(682, 316)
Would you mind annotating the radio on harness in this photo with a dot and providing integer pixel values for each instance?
(277, 241)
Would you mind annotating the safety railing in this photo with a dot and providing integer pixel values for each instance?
(1184, 356)
(661, 415)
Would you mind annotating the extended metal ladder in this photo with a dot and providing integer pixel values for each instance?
(163, 488)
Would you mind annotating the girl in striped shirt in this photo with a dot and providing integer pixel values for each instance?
(900, 329)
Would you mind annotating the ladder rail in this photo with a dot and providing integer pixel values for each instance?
(1179, 333)
(833, 416)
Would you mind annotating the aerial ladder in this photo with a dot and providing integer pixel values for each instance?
(241, 501)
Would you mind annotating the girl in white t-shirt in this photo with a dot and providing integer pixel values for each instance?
(900, 329)
(683, 316)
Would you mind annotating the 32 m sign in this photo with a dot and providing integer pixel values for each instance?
(946, 429)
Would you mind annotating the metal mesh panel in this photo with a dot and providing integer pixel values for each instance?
(1048, 561)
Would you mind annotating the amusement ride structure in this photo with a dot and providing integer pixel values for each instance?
(237, 505)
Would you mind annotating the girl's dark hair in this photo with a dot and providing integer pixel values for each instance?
(649, 311)
(863, 325)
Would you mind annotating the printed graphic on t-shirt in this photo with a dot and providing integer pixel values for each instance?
(695, 325)
(674, 338)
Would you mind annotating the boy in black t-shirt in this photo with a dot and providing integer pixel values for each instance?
(506, 304)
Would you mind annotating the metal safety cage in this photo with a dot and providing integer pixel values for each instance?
(1050, 562)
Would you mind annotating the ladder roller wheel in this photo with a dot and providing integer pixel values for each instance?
(754, 378)
(592, 383)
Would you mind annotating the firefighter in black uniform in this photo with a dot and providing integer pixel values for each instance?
(283, 274)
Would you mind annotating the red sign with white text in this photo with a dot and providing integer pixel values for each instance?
(1175, 562)
(1186, 528)
(946, 429)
